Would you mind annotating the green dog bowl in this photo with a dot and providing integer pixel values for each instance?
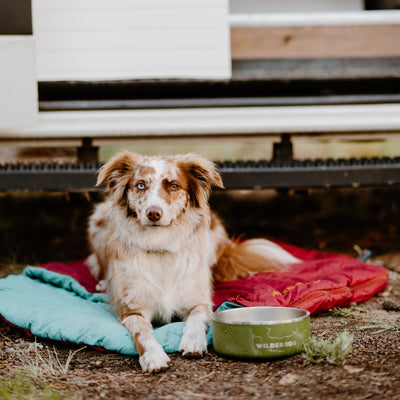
(260, 332)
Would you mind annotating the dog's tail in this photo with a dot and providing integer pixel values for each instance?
(241, 259)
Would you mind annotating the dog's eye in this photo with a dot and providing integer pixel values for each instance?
(174, 186)
(140, 185)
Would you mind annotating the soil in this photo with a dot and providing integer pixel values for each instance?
(36, 228)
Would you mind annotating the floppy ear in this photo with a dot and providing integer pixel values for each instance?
(117, 172)
(201, 174)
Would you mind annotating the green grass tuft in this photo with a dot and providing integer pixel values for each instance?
(22, 387)
(34, 378)
(381, 326)
(346, 312)
(334, 352)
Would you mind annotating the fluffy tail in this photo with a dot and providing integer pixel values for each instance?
(243, 259)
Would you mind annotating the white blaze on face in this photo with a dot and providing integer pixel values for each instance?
(153, 196)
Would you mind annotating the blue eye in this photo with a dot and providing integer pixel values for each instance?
(140, 185)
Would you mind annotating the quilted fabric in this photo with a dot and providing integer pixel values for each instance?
(321, 282)
(58, 300)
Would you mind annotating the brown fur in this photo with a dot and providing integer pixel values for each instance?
(157, 246)
(238, 260)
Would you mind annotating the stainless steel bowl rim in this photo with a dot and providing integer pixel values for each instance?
(218, 316)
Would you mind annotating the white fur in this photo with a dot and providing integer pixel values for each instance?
(266, 248)
(158, 269)
(154, 357)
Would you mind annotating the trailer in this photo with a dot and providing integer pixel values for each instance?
(85, 74)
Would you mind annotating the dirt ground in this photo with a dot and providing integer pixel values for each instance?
(40, 228)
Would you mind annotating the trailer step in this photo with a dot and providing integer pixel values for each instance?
(304, 174)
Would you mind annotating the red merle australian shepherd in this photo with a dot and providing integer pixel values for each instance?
(157, 248)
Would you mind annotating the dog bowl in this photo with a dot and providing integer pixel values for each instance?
(260, 332)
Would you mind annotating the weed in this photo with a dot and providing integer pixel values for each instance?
(50, 366)
(41, 367)
(381, 326)
(334, 352)
(346, 312)
(33, 378)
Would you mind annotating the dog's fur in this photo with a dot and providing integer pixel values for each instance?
(157, 248)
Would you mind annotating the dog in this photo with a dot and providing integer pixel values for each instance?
(157, 248)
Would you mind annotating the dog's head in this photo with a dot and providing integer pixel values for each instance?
(157, 190)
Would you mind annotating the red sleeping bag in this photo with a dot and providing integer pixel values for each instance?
(320, 282)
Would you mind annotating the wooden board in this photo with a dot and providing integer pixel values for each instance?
(315, 41)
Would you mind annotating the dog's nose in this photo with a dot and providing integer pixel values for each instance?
(154, 213)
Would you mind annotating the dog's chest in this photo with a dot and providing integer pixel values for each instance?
(164, 284)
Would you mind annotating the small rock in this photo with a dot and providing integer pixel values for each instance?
(288, 379)
(352, 369)
(35, 346)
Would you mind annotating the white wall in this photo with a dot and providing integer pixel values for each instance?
(127, 39)
(18, 89)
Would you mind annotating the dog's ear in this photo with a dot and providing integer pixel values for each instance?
(201, 174)
(117, 172)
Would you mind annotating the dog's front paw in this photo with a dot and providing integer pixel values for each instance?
(193, 346)
(155, 360)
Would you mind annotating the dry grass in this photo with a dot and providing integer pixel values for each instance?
(34, 375)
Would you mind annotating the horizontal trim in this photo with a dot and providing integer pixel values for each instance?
(236, 175)
(313, 69)
(251, 78)
(386, 17)
(11, 40)
(139, 104)
(212, 122)
(286, 6)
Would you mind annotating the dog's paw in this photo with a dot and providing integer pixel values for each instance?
(155, 360)
(193, 346)
(101, 286)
